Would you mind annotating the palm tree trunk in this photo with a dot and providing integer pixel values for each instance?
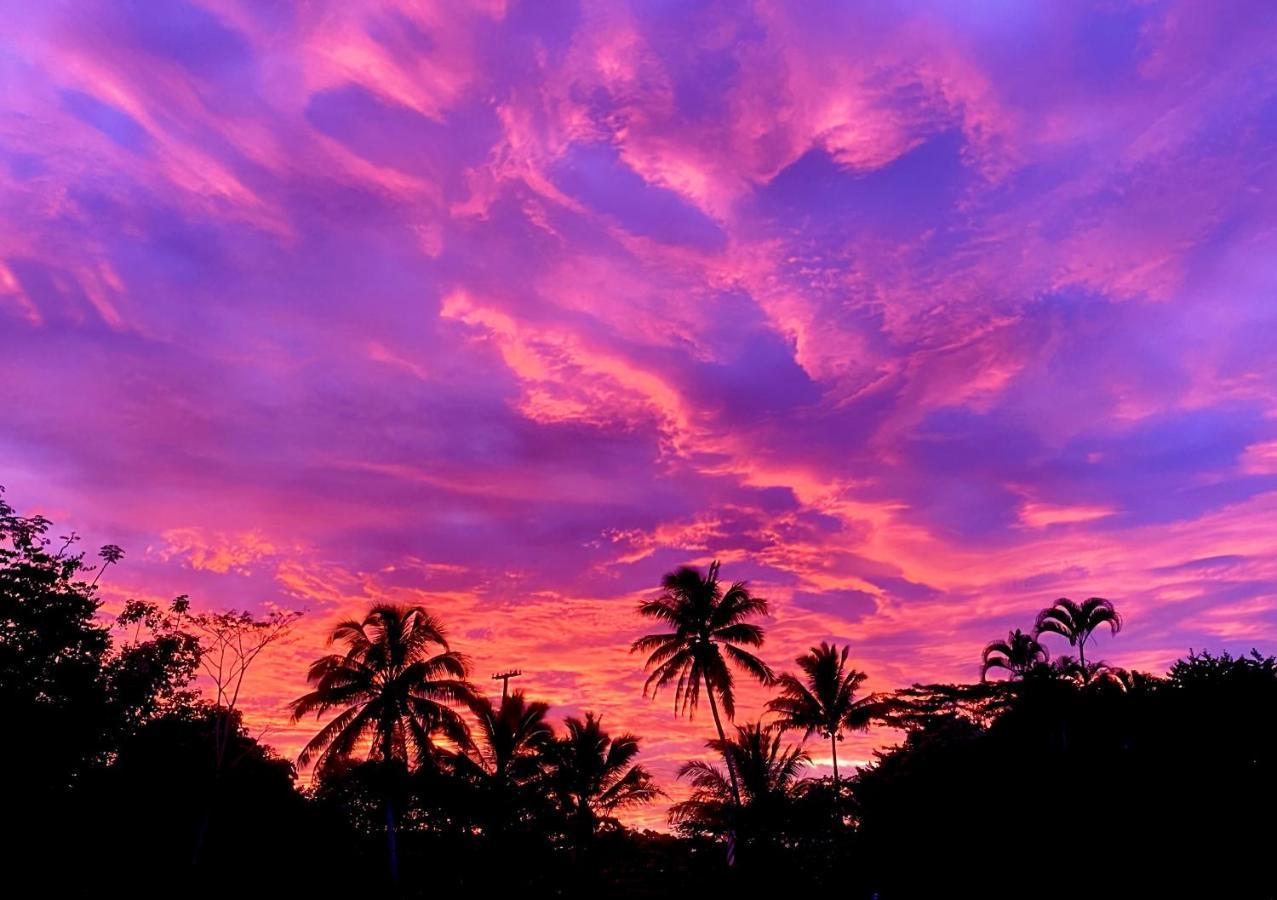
(392, 840)
(837, 793)
(585, 856)
(722, 736)
(392, 837)
(731, 772)
(1081, 654)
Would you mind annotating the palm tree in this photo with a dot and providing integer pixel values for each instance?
(1019, 654)
(1092, 674)
(396, 686)
(709, 630)
(507, 754)
(593, 775)
(1076, 621)
(510, 737)
(824, 699)
(769, 777)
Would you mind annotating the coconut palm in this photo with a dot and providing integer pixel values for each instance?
(1019, 654)
(709, 631)
(768, 780)
(824, 700)
(510, 737)
(1076, 621)
(594, 776)
(396, 687)
(506, 756)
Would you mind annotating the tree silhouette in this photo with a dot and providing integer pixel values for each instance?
(110, 555)
(509, 736)
(396, 686)
(506, 757)
(594, 776)
(824, 700)
(230, 642)
(70, 695)
(709, 631)
(105, 725)
(768, 780)
(1076, 621)
(1019, 654)
(1096, 674)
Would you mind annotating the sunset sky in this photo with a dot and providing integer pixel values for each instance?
(917, 316)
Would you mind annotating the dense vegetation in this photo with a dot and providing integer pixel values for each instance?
(1067, 778)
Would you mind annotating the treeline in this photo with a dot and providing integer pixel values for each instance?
(1069, 777)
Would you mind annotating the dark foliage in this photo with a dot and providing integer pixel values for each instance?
(1167, 786)
(71, 696)
(142, 816)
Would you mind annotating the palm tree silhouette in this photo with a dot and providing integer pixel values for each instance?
(507, 754)
(1019, 654)
(510, 736)
(593, 775)
(710, 629)
(824, 699)
(768, 778)
(1092, 674)
(395, 685)
(1076, 621)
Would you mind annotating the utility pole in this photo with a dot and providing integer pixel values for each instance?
(504, 678)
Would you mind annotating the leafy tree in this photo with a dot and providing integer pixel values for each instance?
(152, 668)
(1077, 621)
(70, 693)
(230, 642)
(153, 796)
(824, 700)
(920, 706)
(52, 655)
(709, 631)
(63, 679)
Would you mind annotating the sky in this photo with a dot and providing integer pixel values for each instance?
(917, 316)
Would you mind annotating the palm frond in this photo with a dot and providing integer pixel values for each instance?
(750, 664)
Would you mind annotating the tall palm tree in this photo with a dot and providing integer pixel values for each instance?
(594, 775)
(1019, 654)
(709, 631)
(1076, 621)
(824, 699)
(396, 686)
(769, 775)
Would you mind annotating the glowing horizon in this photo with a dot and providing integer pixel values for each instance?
(915, 318)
